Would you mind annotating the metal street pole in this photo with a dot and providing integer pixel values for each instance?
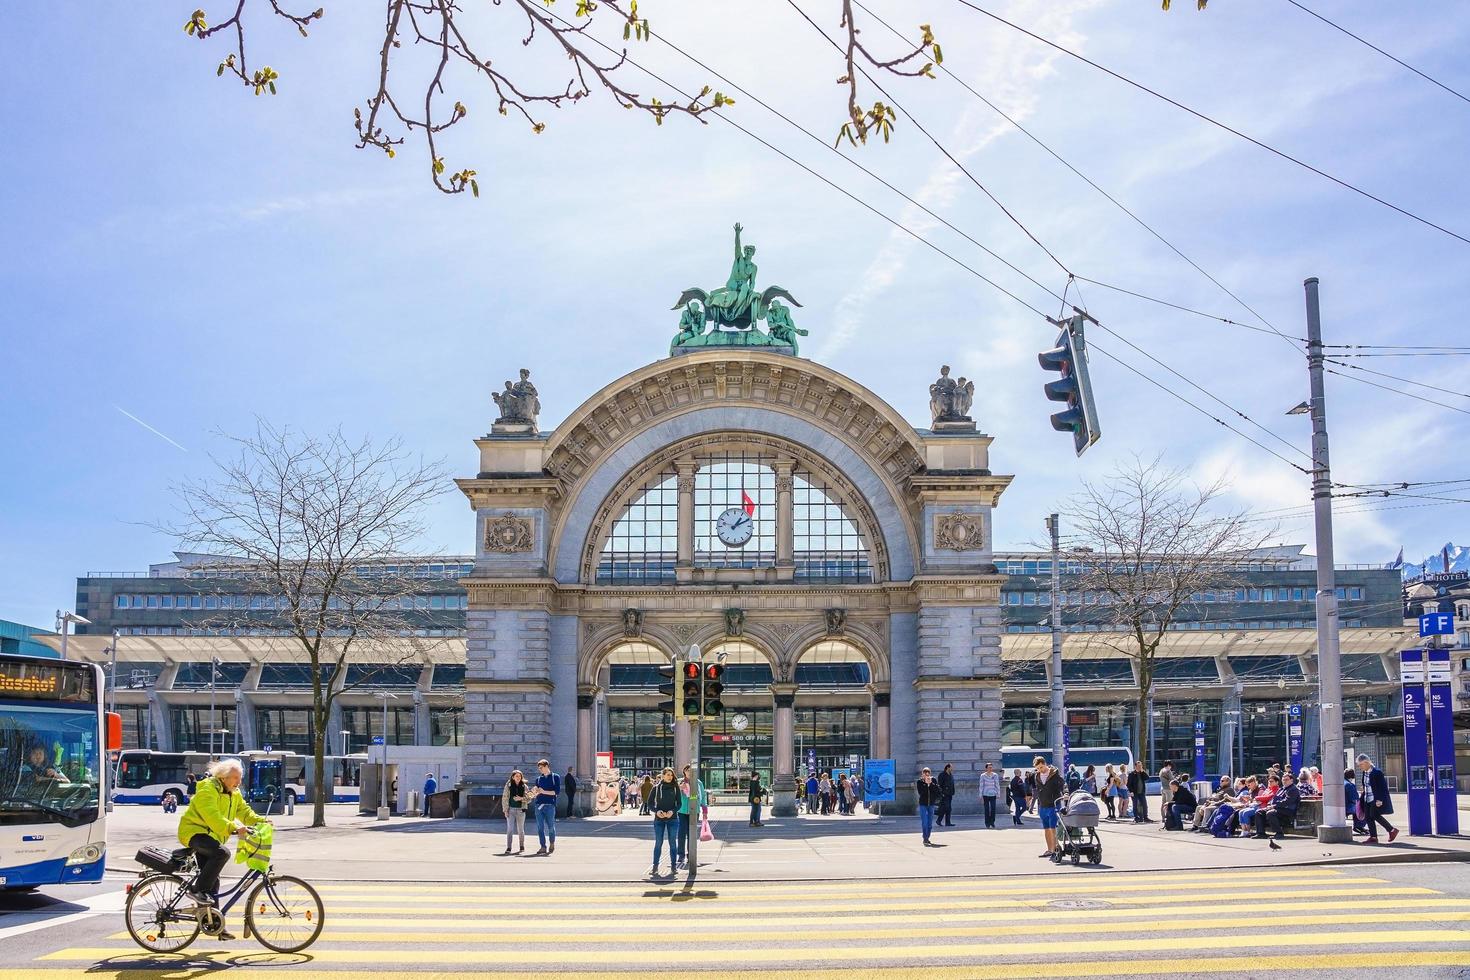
(695, 731)
(383, 807)
(1058, 695)
(1334, 828)
(112, 677)
(213, 717)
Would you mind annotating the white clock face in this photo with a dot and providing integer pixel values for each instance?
(739, 723)
(734, 527)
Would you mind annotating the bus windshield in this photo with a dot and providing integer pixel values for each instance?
(50, 763)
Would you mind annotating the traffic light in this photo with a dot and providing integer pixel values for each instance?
(710, 704)
(690, 702)
(675, 704)
(1069, 358)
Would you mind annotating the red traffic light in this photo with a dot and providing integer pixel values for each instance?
(692, 669)
(714, 671)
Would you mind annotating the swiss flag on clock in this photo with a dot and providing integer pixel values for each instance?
(747, 503)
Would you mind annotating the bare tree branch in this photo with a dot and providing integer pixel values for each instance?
(398, 109)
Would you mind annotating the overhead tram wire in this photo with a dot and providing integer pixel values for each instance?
(736, 86)
(1396, 391)
(983, 278)
(1293, 341)
(1216, 123)
(1395, 377)
(1430, 347)
(1366, 43)
(938, 145)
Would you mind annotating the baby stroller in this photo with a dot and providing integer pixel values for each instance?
(1077, 836)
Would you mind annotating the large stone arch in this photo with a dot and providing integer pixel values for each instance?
(633, 481)
(867, 641)
(593, 504)
(640, 415)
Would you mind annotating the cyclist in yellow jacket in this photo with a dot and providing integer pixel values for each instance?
(216, 812)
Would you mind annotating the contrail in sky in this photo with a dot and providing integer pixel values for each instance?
(149, 427)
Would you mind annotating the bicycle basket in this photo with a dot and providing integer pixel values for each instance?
(157, 859)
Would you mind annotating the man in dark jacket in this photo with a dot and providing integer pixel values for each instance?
(946, 796)
(755, 797)
(1373, 794)
(1281, 812)
(1138, 790)
(1182, 804)
(928, 793)
(1049, 789)
(569, 783)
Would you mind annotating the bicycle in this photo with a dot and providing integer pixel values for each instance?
(283, 912)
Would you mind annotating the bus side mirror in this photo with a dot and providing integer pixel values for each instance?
(114, 731)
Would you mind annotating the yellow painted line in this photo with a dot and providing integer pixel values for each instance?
(1030, 948)
(515, 926)
(531, 894)
(663, 940)
(189, 965)
(1229, 876)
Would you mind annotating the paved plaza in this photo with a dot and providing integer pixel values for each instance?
(803, 848)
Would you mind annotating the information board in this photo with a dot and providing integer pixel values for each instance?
(878, 781)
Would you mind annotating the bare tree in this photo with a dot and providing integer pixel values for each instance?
(314, 531)
(451, 45)
(1150, 544)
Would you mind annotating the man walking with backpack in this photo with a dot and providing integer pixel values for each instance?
(548, 788)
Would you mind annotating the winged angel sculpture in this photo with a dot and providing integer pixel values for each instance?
(735, 310)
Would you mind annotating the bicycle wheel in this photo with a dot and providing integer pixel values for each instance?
(284, 913)
(154, 916)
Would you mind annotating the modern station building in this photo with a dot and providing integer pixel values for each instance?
(769, 509)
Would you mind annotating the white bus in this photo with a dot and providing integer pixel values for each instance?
(289, 774)
(146, 776)
(54, 739)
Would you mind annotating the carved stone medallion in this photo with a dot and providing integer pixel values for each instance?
(734, 622)
(836, 622)
(632, 622)
(959, 532)
(507, 534)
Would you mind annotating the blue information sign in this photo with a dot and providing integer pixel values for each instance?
(266, 748)
(811, 762)
(1199, 750)
(1066, 750)
(1294, 736)
(1416, 740)
(1437, 624)
(878, 781)
(1442, 733)
(377, 740)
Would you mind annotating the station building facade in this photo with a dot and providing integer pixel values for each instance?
(864, 614)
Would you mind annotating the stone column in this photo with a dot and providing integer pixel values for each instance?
(586, 750)
(783, 778)
(878, 722)
(785, 524)
(686, 469)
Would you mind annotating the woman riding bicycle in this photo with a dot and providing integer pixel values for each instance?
(216, 812)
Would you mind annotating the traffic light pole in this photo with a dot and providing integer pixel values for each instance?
(694, 796)
(1058, 694)
(1334, 828)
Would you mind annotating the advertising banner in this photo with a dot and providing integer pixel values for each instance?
(1442, 735)
(1066, 750)
(1199, 751)
(1416, 739)
(878, 781)
(1294, 736)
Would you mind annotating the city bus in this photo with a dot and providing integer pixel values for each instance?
(289, 774)
(1013, 757)
(146, 776)
(54, 740)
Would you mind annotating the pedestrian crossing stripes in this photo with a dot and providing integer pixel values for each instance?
(1226, 922)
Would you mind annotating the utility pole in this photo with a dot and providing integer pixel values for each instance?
(1058, 696)
(1334, 828)
(213, 716)
(694, 789)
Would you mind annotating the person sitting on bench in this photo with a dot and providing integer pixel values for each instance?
(1280, 813)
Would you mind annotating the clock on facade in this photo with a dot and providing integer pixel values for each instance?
(734, 527)
(739, 723)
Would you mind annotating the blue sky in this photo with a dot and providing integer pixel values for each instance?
(190, 255)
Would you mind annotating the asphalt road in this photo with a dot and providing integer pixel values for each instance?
(1408, 920)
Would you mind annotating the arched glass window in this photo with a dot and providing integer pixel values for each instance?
(642, 546)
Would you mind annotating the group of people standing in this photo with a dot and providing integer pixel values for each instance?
(826, 794)
(539, 797)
